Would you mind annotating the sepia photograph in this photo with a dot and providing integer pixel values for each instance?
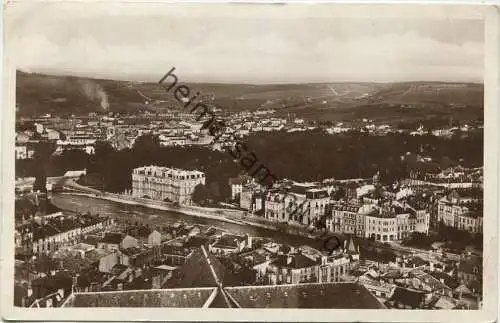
(248, 156)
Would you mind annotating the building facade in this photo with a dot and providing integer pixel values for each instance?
(381, 225)
(333, 268)
(162, 183)
(454, 212)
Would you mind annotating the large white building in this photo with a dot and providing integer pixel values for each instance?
(162, 183)
(388, 223)
(302, 203)
(460, 213)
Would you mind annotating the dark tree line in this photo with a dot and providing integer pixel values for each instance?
(315, 156)
(300, 156)
(458, 239)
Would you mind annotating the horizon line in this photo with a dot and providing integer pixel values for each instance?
(63, 74)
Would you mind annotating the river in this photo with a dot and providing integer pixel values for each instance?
(159, 218)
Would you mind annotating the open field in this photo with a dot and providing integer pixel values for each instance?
(38, 94)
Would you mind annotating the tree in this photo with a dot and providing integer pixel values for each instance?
(200, 194)
(339, 193)
(419, 240)
(44, 264)
(147, 142)
(43, 151)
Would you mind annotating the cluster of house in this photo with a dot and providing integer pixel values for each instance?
(452, 177)
(363, 208)
(65, 136)
(41, 233)
(411, 282)
(444, 132)
(71, 260)
(175, 128)
(134, 265)
(136, 260)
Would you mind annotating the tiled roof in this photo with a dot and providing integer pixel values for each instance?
(112, 238)
(408, 297)
(197, 241)
(196, 272)
(257, 256)
(329, 295)
(434, 284)
(183, 298)
(63, 224)
(297, 261)
(96, 254)
(139, 231)
(447, 279)
(174, 250)
(470, 267)
(228, 242)
(42, 231)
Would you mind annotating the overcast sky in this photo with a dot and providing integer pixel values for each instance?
(143, 44)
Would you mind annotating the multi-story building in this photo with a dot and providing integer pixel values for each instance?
(236, 185)
(348, 217)
(454, 212)
(50, 235)
(317, 200)
(420, 210)
(292, 269)
(471, 221)
(389, 225)
(275, 205)
(333, 268)
(162, 183)
(344, 217)
(50, 232)
(302, 203)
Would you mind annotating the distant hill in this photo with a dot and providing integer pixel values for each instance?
(458, 94)
(39, 94)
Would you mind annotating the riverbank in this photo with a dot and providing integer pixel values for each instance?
(225, 215)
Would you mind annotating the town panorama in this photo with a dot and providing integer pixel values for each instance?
(214, 156)
(376, 203)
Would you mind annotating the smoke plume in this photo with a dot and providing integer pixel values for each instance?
(95, 93)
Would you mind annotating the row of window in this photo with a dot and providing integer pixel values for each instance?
(168, 175)
(400, 228)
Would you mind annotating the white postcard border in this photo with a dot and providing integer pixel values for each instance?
(491, 204)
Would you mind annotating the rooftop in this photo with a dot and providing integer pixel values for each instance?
(183, 298)
(229, 241)
(113, 238)
(296, 261)
(408, 297)
(197, 272)
(329, 295)
(159, 171)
